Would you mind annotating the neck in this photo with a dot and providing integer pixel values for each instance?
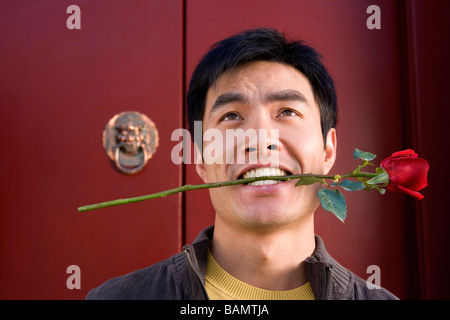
(271, 259)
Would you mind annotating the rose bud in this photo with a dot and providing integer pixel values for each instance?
(407, 172)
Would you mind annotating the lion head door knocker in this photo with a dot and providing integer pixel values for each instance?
(130, 139)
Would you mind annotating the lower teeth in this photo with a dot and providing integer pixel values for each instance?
(263, 182)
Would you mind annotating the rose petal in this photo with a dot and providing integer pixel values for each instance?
(409, 153)
(408, 172)
(415, 194)
(393, 188)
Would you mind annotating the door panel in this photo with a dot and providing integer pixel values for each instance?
(426, 86)
(58, 89)
(364, 64)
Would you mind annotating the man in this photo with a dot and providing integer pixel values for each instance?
(262, 245)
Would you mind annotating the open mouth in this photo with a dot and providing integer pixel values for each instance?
(264, 172)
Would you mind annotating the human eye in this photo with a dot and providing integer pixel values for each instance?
(230, 116)
(289, 113)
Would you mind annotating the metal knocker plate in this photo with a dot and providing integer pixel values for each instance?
(130, 139)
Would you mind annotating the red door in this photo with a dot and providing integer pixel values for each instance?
(391, 85)
(59, 88)
(365, 66)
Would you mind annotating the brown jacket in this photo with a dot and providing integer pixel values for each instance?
(182, 277)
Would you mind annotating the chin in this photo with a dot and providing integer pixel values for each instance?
(269, 216)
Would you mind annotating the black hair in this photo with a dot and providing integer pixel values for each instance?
(262, 44)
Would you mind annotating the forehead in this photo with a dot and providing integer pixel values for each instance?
(260, 77)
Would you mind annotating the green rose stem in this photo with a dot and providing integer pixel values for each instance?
(218, 185)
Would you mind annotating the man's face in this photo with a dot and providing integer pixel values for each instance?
(266, 97)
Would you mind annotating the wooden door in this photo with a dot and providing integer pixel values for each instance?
(365, 65)
(58, 89)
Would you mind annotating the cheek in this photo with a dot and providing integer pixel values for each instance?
(306, 145)
(213, 147)
(222, 201)
(211, 173)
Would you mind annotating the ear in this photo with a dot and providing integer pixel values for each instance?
(330, 150)
(199, 164)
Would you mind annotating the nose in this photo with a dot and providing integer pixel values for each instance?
(260, 153)
(267, 136)
(261, 139)
(271, 146)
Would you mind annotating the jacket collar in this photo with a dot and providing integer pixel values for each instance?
(328, 279)
(198, 251)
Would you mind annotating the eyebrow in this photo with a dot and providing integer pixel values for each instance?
(283, 95)
(228, 97)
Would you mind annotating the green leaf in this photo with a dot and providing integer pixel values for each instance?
(350, 185)
(366, 156)
(381, 178)
(306, 181)
(334, 202)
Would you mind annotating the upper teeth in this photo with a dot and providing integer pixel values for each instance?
(264, 172)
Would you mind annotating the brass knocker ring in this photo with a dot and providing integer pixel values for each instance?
(141, 163)
(130, 139)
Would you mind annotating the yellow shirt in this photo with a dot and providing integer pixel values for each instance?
(220, 285)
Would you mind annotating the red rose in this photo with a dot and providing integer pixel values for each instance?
(407, 172)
